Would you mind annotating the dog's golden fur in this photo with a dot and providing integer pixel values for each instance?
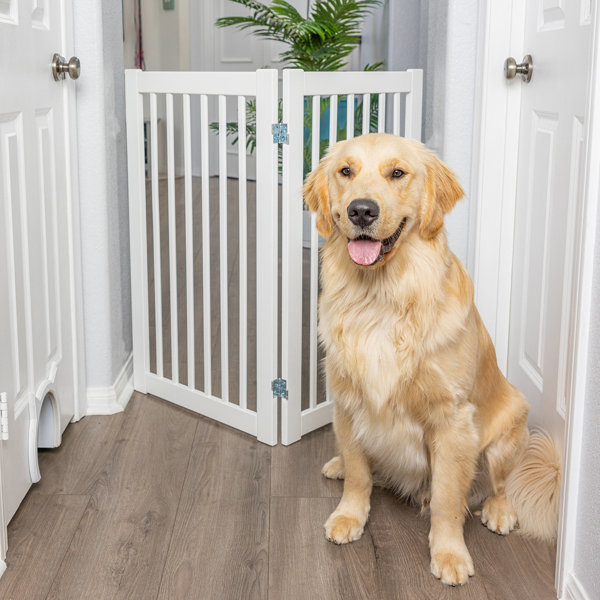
(419, 402)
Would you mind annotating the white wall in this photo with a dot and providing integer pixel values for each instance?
(586, 568)
(441, 39)
(165, 42)
(129, 34)
(103, 189)
(458, 111)
(166, 35)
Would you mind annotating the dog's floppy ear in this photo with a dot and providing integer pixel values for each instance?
(316, 194)
(442, 191)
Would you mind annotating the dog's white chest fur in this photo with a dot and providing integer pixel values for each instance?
(377, 355)
(396, 450)
(379, 360)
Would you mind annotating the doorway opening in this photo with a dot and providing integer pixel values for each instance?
(48, 428)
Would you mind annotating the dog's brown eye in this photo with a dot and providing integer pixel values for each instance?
(397, 173)
(345, 172)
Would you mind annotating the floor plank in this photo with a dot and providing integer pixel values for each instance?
(39, 536)
(303, 564)
(63, 470)
(220, 540)
(120, 546)
(297, 468)
(511, 566)
(400, 536)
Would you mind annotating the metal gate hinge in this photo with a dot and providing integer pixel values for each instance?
(3, 416)
(280, 133)
(279, 387)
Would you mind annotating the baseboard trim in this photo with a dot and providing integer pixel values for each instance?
(574, 590)
(112, 399)
(2, 567)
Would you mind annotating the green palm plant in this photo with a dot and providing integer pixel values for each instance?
(320, 42)
(323, 41)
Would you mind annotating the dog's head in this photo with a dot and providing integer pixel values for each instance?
(375, 187)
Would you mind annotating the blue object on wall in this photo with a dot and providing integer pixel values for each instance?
(324, 121)
(168, 4)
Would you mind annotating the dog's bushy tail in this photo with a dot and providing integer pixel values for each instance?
(533, 488)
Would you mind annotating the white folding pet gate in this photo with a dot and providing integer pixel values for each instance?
(224, 289)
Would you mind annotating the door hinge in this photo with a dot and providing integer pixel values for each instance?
(280, 133)
(3, 416)
(279, 387)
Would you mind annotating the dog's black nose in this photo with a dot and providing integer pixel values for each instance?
(363, 211)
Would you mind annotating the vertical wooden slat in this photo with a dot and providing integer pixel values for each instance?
(291, 286)
(366, 113)
(224, 320)
(172, 238)
(315, 130)
(243, 253)
(414, 106)
(137, 230)
(206, 327)
(350, 116)
(381, 114)
(158, 319)
(189, 242)
(333, 119)
(314, 262)
(266, 255)
(396, 114)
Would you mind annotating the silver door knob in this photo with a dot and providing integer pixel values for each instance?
(60, 67)
(524, 70)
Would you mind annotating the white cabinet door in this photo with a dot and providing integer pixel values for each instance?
(40, 361)
(548, 201)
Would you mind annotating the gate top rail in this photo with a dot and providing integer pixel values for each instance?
(198, 82)
(244, 83)
(321, 83)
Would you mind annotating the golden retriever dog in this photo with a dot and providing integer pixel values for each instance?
(419, 402)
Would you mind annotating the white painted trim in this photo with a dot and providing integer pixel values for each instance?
(74, 227)
(574, 590)
(112, 399)
(3, 524)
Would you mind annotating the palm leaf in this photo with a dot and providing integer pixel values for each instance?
(322, 41)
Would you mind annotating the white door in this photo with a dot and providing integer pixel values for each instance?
(548, 206)
(40, 363)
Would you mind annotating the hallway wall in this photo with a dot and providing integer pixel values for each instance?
(103, 192)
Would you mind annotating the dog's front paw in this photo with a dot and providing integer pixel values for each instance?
(341, 528)
(498, 514)
(453, 568)
(334, 469)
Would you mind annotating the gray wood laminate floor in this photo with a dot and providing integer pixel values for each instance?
(158, 502)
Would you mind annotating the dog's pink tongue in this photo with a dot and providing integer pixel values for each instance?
(364, 252)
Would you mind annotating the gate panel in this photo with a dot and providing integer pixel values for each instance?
(194, 314)
(188, 301)
(365, 96)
